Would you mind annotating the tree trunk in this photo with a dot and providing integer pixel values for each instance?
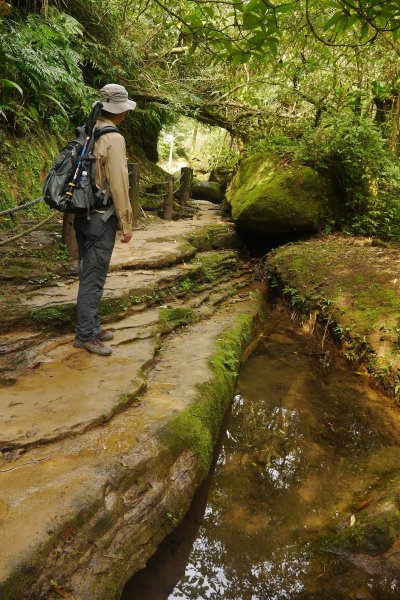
(383, 108)
(395, 130)
(194, 137)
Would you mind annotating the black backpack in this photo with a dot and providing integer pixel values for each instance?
(70, 185)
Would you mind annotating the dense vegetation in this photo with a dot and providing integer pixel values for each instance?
(316, 81)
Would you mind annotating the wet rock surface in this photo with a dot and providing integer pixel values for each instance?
(91, 464)
(302, 499)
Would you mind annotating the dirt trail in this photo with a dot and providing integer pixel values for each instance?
(87, 467)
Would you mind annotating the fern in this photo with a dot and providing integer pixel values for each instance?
(41, 59)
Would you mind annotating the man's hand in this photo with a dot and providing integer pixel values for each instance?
(126, 238)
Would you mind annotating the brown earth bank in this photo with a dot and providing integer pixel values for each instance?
(351, 286)
(100, 458)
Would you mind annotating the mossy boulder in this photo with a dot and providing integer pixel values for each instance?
(270, 196)
(222, 176)
(207, 190)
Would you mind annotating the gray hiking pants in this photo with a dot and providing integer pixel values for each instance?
(96, 240)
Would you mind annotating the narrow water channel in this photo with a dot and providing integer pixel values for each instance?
(305, 444)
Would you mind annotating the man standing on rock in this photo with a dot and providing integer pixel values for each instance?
(96, 237)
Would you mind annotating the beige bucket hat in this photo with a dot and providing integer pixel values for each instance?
(115, 100)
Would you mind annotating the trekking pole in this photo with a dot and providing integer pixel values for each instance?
(72, 183)
(90, 124)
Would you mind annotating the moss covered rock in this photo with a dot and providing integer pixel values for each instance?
(207, 190)
(270, 196)
(23, 166)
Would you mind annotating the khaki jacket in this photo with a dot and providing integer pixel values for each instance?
(110, 153)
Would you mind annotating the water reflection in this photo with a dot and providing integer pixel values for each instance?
(264, 579)
(299, 450)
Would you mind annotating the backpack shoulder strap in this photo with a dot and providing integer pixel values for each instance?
(103, 130)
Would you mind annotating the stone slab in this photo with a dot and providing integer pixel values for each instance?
(117, 284)
(67, 389)
(164, 243)
(116, 474)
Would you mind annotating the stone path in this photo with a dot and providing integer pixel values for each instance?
(87, 477)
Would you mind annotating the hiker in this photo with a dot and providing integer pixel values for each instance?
(96, 236)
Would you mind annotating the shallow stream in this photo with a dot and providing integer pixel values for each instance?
(306, 444)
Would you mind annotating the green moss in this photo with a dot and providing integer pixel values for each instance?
(207, 190)
(268, 195)
(112, 307)
(372, 537)
(211, 267)
(171, 318)
(179, 313)
(113, 589)
(188, 285)
(197, 427)
(25, 161)
(379, 243)
(31, 262)
(63, 313)
(171, 519)
(207, 238)
(353, 289)
(215, 264)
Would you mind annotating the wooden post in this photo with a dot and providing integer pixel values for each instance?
(69, 237)
(134, 173)
(185, 186)
(169, 199)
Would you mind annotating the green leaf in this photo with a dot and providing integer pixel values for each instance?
(364, 31)
(60, 106)
(257, 38)
(272, 45)
(255, 5)
(34, 113)
(208, 10)
(344, 23)
(333, 20)
(11, 84)
(285, 8)
(250, 20)
(236, 60)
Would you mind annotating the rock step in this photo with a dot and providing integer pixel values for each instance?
(41, 406)
(125, 294)
(137, 284)
(157, 245)
(99, 503)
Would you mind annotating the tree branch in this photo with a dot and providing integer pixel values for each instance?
(177, 50)
(334, 44)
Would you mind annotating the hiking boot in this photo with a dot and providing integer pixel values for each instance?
(95, 346)
(105, 335)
